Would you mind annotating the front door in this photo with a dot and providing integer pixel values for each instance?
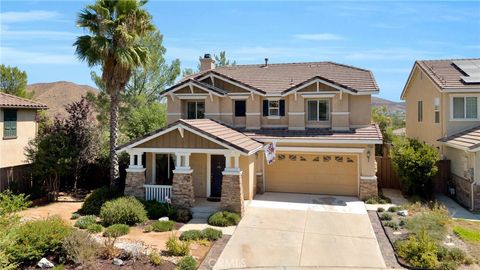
(217, 167)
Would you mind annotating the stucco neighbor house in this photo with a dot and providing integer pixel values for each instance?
(18, 124)
(221, 119)
(442, 99)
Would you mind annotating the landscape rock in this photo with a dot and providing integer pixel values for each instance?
(164, 219)
(118, 262)
(402, 213)
(44, 263)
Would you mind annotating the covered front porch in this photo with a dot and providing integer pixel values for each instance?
(183, 164)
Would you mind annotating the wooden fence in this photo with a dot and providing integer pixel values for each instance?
(19, 178)
(388, 178)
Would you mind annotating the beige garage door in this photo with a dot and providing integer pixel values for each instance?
(309, 173)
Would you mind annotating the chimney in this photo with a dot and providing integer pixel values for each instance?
(206, 63)
(266, 62)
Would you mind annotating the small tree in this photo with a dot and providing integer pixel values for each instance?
(415, 164)
(13, 81)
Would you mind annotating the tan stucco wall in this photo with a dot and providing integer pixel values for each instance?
(458, 160)
(421, 88)
(455, 126)
(247, 166)
(221, 108)
(12, 151)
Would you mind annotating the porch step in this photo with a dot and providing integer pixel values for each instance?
(204, 209)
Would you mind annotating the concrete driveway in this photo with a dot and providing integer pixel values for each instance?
(298, 230)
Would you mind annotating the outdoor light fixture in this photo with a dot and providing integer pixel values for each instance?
(368, 155)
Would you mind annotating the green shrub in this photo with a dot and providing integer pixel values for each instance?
(191, 235)
(79, 247)
(394, 209)
(402, 223)
(148, 229)
(176, 247)
(94, 228)
(116, 230)
(212, 234)
(124, 210)
(75, 216)
(224, 219)
(156, 210)
(59, 267)
(187, 263)
(435, 221)
(85, 221)
(380, 209)
(378, 200)
(418, 250)
(35, 239)
(183, 215)
(392, 225)
(385, 216)
(93, 203)
(163, 226)
(155, 258)
(416, 165)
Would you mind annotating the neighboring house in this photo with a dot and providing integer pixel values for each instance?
(221, 119)
(442, 98)
(18, 124)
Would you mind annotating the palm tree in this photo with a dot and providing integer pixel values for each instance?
(115, 28)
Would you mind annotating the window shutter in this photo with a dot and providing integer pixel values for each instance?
(10, 123)
(282, 107)
(265, 108)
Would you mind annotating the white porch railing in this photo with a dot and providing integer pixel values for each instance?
(157, 192)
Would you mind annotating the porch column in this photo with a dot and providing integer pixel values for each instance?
(182, 183)
(135, 176)
(232, 190)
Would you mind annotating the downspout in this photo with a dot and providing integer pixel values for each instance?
(473, 183)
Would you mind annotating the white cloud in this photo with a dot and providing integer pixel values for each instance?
(319, 37)
(14, 56)
(35, 34)
(28, 16)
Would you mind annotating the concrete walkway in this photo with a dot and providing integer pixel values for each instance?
(456, 210)
(296, 230)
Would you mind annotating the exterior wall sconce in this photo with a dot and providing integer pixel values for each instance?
(368, 155)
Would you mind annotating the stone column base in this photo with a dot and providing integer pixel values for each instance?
(368, 187)
(260, 188)
(463, 192)
(182, 190)
(134, 183)
(232, 193)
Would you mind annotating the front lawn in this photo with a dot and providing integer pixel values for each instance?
(469, 232)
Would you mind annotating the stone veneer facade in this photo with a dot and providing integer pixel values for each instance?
(368, 188)
(182, 190)
(232, 193)
(134, 183)
(463, 192)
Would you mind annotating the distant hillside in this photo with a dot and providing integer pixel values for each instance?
(392, 106)
(57, 94)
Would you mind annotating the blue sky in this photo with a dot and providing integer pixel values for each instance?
(386, 37)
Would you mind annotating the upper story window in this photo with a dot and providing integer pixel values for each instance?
(195, 110)
(436, 109)
(274, 108)
(240, 108)
(464, 108)
(318, 110)
(419, 111)
(9, 123)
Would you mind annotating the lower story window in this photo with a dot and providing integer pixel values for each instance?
(195, 110)
(318, 110)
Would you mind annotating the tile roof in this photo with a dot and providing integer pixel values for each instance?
(11, 101)
(468, 139)
(279, 78)
(224, 134)
(369, 133)
(446, 74)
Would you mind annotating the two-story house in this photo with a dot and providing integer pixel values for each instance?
(442, 99)
(221, 119)
(18, 123)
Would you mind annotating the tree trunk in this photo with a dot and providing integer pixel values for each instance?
(114, 173)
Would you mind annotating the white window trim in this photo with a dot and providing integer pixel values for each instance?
(464, 108)
(274, 116)
(436, 108)
(196, 109)
(318, 115)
